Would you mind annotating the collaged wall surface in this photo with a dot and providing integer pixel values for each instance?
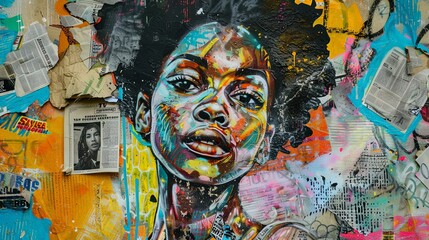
(259, 119)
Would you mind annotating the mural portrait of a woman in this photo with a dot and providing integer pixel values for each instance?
(214, 119)
(214, 96)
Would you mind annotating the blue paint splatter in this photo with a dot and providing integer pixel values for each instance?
(7, 38)
(390, 39)
(14, 103)
(23, 225)
(6, 3)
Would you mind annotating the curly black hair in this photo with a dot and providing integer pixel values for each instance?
(297, 49)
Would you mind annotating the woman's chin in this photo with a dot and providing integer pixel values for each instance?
(208, 175)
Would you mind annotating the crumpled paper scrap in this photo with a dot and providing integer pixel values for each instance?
(419, 60)
(72, 79)
(90, 48)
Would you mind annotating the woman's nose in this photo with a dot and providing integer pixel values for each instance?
(212, 112)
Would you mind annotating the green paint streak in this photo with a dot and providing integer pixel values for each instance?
(13, 23)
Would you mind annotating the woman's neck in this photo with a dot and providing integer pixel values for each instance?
(93, 155)
(190, 208)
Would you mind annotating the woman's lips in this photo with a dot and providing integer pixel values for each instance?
(205, 148)
(208, 143)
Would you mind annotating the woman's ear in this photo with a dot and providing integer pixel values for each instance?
(265, 148)
(143, 118)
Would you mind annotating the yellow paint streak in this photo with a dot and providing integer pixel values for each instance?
(80, 205)
(306, 2)
(209, 46)
(354, 18)
(343, 18)
(336, 17)
(250, 129)
(141, 165)
(294, 58)
(337, 44)
(204, 168)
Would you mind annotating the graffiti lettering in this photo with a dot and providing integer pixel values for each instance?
(19, 182)
(411, 194)
(424, 170)
(14, 203)
(8, 122)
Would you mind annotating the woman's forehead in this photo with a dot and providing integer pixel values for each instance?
(213, 38)
(221, 49)
(92, 129)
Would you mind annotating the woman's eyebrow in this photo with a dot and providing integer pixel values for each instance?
(250, 71)
(198, 60)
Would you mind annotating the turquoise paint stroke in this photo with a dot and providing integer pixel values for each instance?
(23, 225)
(6, 44)
(139, 137)
(120, 93)
(6, 3)
(14, 103)
(124, 172)
(390, 39)
(408, 15)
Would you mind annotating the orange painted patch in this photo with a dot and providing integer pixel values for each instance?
(60, 9)
(313, 146)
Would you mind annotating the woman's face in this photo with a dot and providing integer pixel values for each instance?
(209, 108)
(92, 138)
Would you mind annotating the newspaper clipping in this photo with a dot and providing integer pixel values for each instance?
(30, 64)
(92, 135)
(395, 95)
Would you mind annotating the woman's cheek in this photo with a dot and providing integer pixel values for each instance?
(182, 117)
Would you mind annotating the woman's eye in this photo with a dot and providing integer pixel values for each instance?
(249, 100)
(184, 84)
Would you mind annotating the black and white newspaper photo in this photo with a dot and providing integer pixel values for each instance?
(91, 143)
(87, 142)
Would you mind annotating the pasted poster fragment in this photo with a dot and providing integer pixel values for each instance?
(91, 138)
(16, 190)
(32, 125)
(31, 63)
(393, 94)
